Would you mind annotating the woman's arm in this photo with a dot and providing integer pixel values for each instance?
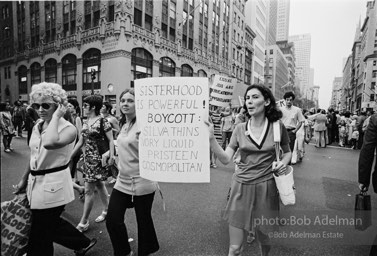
(224, 156)
(109, 158)
(115, 125)
(21, 186)
(54, 139)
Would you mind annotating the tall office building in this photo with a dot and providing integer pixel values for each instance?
(336, 93)
(282, 28)
(256, 19)
(302, 45)
(272, 7)
(119, 41)
(277, 73)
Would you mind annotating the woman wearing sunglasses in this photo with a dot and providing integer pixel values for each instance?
(47, 177)
(96, 132)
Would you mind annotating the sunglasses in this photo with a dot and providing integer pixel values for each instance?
(45, 106)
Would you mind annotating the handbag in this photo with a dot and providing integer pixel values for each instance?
(15, 226)
(284, 183)
(363, 211)
(103, 141)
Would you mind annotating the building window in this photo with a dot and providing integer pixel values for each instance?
(35, 71)
(91, 60)
(69, 71)
(141, 63)
(51, 71)
(202, 73)
(372, 97)
(373, 86)
(22, 80)
(167, 67)
(111, 11)
(138, 17)
(186, 70)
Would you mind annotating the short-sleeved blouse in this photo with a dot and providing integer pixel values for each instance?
(254, 160)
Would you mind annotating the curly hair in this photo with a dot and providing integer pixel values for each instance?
(289, 94)
(123, 116)
(46, 90)
(271, 111)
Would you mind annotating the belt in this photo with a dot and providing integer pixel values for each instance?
(290, 129)
(46, 171)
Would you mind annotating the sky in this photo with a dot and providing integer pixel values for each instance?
(332, 25)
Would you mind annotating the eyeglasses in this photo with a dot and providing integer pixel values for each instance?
(45, 106)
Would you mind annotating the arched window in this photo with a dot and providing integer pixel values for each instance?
(141, 63)
(167, 67)
(22, 80)
(35, 71)
(69, 72)
(91, 60)
(202, 73)
(186, 70)
(51, 69)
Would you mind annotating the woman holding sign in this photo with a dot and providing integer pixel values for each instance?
(253, 190)
(47, 177)
(130, 190)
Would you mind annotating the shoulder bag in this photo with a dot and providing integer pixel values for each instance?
(284, 183)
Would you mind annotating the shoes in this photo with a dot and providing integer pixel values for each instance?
(7, 150)
(83, 251)
(102, 217)
(83, 227)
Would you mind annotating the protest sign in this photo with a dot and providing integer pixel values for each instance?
(222, 91)
(174, 140)
(280, 103)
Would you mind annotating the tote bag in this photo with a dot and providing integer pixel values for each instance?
(285, 183)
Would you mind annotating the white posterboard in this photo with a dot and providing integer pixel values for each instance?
(174, 140)
(280, 103)
(222, 91)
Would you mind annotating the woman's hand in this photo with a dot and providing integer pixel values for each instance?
(210, 129)
(60, 111)
(279, 168)
(20, 187)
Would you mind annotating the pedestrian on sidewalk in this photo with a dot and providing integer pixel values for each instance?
(253, 190)
(31, 118)
(292, 118)
(6, 127)
(18, 117)
(366, 158)
(320, 121)
(97, 134)
(131, 190)
(48, 176)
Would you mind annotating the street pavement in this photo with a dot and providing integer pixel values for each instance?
(319, 223)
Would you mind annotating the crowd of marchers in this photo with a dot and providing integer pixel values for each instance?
(62, 142)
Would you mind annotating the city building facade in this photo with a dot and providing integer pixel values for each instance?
(277, 71)
(256, 19)
(282, 30)
(345, 100)
(302, 46)
(102, 46)
(336, 93)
